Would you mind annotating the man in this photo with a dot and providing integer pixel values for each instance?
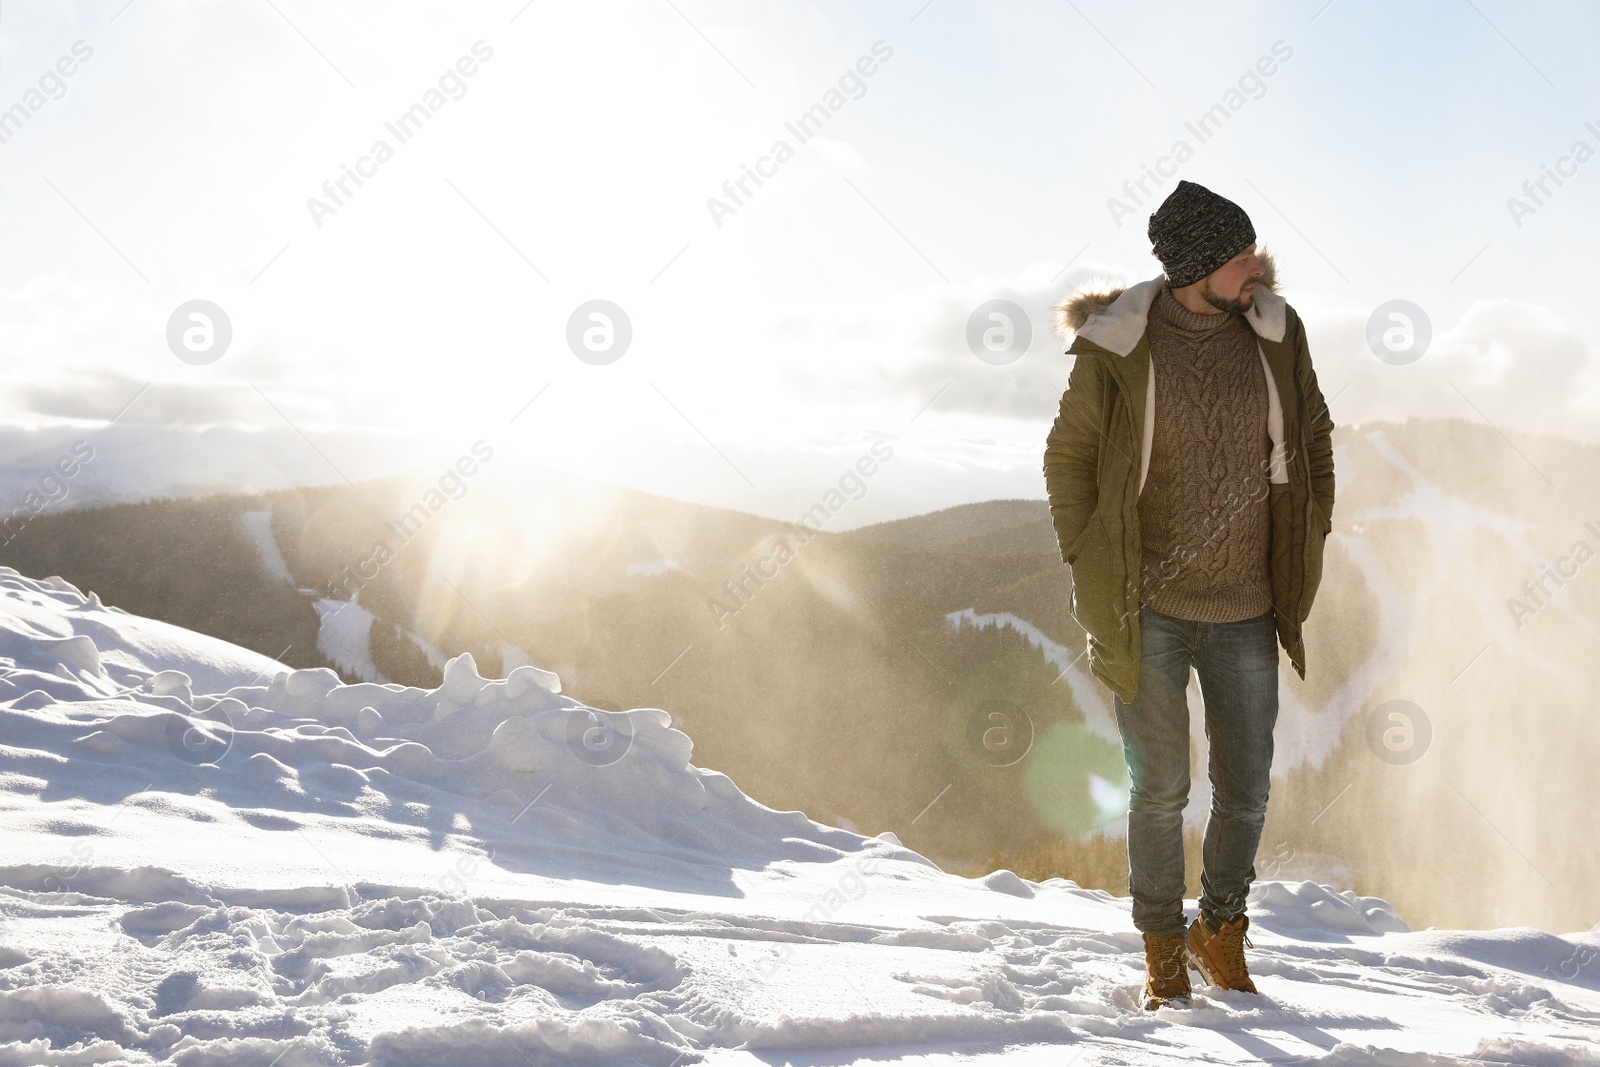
(1190, 474)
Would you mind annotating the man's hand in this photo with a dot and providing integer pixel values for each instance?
(1072, 452)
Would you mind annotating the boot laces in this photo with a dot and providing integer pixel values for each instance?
(1232, 949)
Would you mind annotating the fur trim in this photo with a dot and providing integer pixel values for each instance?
(1074, 309)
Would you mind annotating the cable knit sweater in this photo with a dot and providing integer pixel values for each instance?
(1204, 521)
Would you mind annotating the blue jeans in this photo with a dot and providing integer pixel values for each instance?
(1238, 667)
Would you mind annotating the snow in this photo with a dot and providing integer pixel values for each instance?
(344, 634)
(651, 568)
(258, 528)
(1407, 593)
(106, 648)
(1098, 717)
(212, 859)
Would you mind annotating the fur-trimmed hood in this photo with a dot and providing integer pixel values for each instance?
(1114, 316)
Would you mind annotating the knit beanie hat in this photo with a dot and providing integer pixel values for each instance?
(1195, 231)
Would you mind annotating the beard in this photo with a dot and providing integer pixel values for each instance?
(1239, 305)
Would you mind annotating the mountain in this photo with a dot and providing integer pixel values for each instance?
(995, 527)
(215, 859)
(925, 676)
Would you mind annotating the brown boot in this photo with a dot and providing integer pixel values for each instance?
(1219, 956)
(1166, 976)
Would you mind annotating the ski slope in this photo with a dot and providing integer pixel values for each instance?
(212, 859)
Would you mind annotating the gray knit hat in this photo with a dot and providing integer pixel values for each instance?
(1195, 231)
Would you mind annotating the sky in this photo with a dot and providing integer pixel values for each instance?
(562, 154)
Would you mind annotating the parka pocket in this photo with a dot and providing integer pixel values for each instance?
(1095, 591)
(1317, 528)
(1076, 547)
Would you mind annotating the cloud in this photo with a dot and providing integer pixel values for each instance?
(907, 348)
(1515, 364)
(102, 396)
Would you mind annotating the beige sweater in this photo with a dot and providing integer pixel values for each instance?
(1204, 521)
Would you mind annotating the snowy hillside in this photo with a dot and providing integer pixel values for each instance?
(212, 859)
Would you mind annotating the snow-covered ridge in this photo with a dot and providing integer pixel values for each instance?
(49, 628)
(259, 733)
(213, 859)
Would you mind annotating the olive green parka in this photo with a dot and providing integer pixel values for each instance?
(1098, 454)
